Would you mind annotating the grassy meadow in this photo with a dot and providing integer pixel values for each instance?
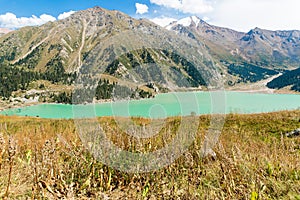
(45, 159)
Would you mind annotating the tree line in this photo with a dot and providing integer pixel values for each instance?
(288, 78)
(250, 73)
(13, 78)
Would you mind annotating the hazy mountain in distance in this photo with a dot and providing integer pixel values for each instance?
(277, 49)
(249, 56)
(4, 31)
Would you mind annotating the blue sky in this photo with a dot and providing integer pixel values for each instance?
(26, 8)
(237, 14)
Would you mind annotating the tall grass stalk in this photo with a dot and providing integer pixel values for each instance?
(12, 146)
(254, 160)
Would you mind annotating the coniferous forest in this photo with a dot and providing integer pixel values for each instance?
(15, 78)
(289, 78)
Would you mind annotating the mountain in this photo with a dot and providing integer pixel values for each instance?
(251, 56)
(187, 22)
(272, 49)
(281, 48)
(100, 52)
(98, 44)
(4, 31)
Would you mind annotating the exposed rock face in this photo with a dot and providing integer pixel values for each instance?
(98, 41)
(294, 133)
(247, 57)
(270, 49)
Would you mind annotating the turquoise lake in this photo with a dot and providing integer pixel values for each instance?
(170, 104)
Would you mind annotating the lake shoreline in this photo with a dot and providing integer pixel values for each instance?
(166, 105)
(4, 105)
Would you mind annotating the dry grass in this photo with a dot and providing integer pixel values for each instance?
(254, 161)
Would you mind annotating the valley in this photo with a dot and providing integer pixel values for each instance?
(101, 105)
(138, 54)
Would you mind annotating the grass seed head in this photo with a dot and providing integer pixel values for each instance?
(12, 148)
(2, 144)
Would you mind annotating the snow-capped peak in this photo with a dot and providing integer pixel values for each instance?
(188, 21)
(196, 20)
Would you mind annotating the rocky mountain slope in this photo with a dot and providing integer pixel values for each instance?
(98, 44)
(252, 56)
(272, 49)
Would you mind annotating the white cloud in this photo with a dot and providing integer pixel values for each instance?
(163, 21)
(141, 8)
(186, 6)
(11, 21)
(244, 15)
(241, 15)
(65, 15)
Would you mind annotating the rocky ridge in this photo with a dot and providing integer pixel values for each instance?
(137, 53)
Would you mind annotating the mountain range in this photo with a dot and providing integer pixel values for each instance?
(98, 44)
(271, 49)
(251, 56)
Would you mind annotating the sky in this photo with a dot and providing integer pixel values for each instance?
(241, 15)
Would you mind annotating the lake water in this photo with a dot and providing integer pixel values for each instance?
(170, 104)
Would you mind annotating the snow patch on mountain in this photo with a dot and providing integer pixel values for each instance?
(188, 21)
